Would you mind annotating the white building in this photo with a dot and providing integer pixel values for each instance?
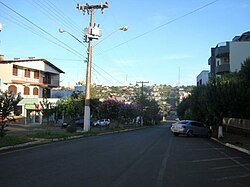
(202, 78)
(34, 79)
(229, 56)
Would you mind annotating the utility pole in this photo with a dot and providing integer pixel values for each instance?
(92, 32)
(142, 84)
(1, 27)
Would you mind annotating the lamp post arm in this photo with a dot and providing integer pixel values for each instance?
(61, 30)
(125, 28)
(77, 39)
(106, 37)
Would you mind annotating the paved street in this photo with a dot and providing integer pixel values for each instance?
(147, 157)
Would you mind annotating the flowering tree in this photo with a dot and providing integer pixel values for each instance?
(8, 103)
(109, 109)
(114, 109)
(129, 111)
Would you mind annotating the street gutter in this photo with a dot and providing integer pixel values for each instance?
(232, 146)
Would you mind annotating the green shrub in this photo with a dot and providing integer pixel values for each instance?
(71, 128)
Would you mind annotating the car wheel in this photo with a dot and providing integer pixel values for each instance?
(190, 133)
(176, 134)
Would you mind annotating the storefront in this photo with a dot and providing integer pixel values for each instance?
(33, 114)
(31, 111)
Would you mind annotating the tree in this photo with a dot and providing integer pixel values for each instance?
(245, 71)
(48, 109)
(8, 104)
(149, 109)
(128, 112)
(109, 109)
(71, 108)
(245, 77)
(227, 96)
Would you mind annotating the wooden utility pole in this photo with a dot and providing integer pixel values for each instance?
(142, 84)
(92, 32)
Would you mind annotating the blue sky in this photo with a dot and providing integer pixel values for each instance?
(143, 53)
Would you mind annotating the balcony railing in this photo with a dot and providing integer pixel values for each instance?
(222, 50)
(23, 79)
(223, 68)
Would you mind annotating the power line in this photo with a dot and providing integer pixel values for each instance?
(160, 26)
(41, 34)
(56, 14)
(105, 78)
(109, 74)
(44, 31)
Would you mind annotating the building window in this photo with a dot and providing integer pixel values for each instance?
(217, 63)
(27, 73)
(26, 90)
(36, 74)
(15, 71)
(35, 91)
(225, 60)
(12, 89)
(47, 78)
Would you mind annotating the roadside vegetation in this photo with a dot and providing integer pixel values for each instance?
(123, 116)
(111, 108)
(13, 140)
(227, 96)
(48, 134)
(8, 103)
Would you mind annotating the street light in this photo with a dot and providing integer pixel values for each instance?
(61, 30)
(1, 27)
(124, 28)
(88, 72)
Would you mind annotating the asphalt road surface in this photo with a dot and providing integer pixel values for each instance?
(147, 157)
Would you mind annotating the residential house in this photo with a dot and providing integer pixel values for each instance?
(34, 79)
(228, 56)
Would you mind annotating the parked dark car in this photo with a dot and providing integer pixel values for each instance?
(190, 128)
(77, 122)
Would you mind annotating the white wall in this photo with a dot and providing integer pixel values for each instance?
(203, 76)
(38, 65)
(239, 51)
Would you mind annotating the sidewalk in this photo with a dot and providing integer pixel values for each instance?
(240, 143)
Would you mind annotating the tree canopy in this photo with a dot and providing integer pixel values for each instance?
(8, 104)
(227, 96)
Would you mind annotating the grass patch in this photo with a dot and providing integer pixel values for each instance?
(13, 140)
(52, 135)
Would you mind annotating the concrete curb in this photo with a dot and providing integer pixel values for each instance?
(232, 146)
(36, 142)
